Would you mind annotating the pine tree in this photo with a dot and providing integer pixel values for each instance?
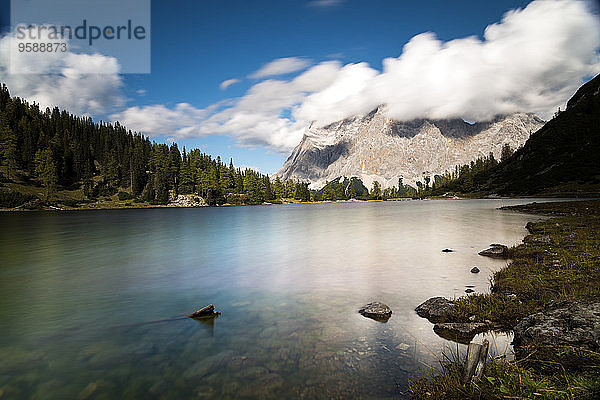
(340, 192)
(278, 188)
(301, 192)
(186, 181)
(351, 191)
(8, 145)
(507, 151)
(376, 190)
(328, 192)
(289, 188)
(45, 169)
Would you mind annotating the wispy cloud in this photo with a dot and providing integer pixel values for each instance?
(225, 84)
(324, 3)
(281, 66)
(532, 61)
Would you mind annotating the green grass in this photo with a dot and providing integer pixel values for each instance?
(565, 268)
(506, 380)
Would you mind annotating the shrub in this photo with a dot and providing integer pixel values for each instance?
(10, 199)
(125, 196)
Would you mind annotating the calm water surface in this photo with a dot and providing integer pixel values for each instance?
(84, 297)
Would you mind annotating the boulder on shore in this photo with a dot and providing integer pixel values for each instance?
(495, 251)
(377, 311)
(436, 309)
(461, 332)
(530, 227)
(536, 239)
(562, 323)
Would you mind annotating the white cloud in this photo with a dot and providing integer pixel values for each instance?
(141, 92)
(281, 66)
(80, 83)
(225, 84)
(532, 61)
(324, 3)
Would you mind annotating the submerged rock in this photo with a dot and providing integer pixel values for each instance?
(377, 311)
(436, 309)
(461, 332)
(469, 290)
(475, 270)
(448, 251)
(563, 323)
(496, 251)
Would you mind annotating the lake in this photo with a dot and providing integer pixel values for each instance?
(91, 301)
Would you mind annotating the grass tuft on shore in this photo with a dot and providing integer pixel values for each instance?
(506, 380)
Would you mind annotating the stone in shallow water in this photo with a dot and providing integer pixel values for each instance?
(461, 332)
(436, 309)
(475, 270)
(377, 311)
(495, 251)
(88, 391)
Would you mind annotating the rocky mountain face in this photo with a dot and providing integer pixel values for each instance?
(376, 147)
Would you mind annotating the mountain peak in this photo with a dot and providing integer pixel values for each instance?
(374, 146)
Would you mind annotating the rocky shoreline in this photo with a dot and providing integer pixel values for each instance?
(547, 296)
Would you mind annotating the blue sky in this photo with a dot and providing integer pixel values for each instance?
(197, 45)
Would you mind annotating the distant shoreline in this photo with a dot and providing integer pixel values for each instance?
(142, 206)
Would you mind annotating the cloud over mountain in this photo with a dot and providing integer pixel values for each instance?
(531, 61)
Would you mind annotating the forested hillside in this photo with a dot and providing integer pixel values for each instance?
(562, 158)
(52, 151)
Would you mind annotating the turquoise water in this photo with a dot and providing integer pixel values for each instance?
(90, 300)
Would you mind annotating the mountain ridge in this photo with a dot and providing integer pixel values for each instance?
(374, 146)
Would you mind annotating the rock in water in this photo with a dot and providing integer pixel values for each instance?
(563, 323)
(436, 309)
(447, 251)
(475, 270)
(377, 311)
(461, 332)
(495, 251)
(208, 311)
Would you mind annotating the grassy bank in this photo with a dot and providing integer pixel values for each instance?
(559, 260)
